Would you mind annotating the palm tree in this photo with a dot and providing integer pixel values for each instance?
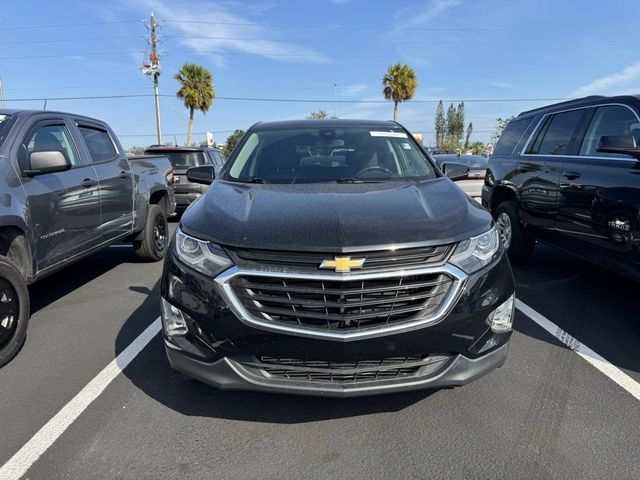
(196, 90)
(400, 84)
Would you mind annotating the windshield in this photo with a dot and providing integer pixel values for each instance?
(316, 154)
(182, 159)
(5, 126)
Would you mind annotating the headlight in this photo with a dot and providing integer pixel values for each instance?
(205, 257)
(476, 252)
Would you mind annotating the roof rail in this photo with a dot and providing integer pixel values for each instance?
(562, 104)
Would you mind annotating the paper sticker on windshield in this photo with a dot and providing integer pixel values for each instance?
(389, 134)
(406, 146)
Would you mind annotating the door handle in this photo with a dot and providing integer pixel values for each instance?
(124, 174)
(571, 175)
(88, 182)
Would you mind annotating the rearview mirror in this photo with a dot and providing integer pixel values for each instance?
(204, 174)
(455, 171)
(47, 162)
(624, 144)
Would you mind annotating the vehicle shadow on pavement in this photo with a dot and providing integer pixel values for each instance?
(595, 306)
(151, 373)
(59, 284)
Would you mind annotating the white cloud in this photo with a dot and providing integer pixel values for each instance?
(422, 16)
(626, 80)
(349, 90)
(232, 33)
(508, 86)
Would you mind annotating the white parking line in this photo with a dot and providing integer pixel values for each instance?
(599, 362)
(18, 465)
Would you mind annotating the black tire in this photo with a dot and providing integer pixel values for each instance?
(155, 236)
(14, 311)
(519, 246)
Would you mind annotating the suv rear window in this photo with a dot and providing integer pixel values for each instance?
(181, 159)
(511, 136)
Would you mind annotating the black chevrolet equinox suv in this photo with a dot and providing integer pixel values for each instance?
(333, 257)
(569, 175)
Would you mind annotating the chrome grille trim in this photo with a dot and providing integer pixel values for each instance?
(223, 282)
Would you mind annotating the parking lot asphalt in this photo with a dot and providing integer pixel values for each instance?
(546, 413)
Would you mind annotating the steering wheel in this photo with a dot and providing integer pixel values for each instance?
(374, 168)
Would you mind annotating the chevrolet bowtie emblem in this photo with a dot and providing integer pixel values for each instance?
(343, 264)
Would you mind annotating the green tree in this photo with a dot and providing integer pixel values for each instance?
(477, 148)
(319, 115)
(134, 150)
(196, 91)
(459, 125)
(469, 132)
(400, 83)
(232, 141)
(450, 127)
(440, 125)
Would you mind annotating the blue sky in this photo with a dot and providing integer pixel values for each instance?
(461, 49)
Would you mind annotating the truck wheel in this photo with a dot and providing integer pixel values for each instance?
(155, 237)
(14, 311)
(519, 247)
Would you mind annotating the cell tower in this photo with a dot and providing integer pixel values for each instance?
(151, 68)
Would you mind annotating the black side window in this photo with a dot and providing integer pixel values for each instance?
(99, 144)
(559, 133)
(511, 136)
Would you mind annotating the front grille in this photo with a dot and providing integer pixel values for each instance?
(380, 260)
(325, 371)
(341, 304)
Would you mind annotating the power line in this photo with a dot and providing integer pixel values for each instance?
(66, 25)
(296, 100)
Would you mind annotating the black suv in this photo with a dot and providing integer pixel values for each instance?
(333, 257)
(183, 158)
(569, 175)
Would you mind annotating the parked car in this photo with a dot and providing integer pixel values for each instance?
(334, 258)
(477, 164)
(569, 175)
(472, 185)
(183, 158)
(68, 190)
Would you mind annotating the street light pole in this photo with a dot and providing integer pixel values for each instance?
(335, 100)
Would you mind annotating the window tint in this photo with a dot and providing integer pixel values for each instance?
(511, 136)
(559, 133)
(608, 121)
(99, 144)
(52, 138)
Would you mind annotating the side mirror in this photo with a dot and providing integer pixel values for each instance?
(624, 144)
(204, 174)
(455, 171)
(47, 162)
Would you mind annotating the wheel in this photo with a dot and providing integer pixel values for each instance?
(154, 243)
(519, 247)
(14, 311)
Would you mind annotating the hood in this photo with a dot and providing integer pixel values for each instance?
(335, 217)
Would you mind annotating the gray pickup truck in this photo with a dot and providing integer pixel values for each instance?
(67, 190)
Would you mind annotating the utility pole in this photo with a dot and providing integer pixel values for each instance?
(335, 100)
(152, 69)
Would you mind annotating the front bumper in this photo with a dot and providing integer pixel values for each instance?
(227, 374)
(218, 343)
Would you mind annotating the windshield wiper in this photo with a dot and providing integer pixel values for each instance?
(356, 180)
(252, 180)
